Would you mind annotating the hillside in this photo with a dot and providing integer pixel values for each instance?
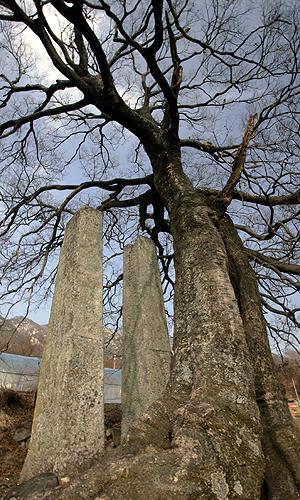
(288, 365)
(27, 338)
(24, 337)
(289, 373)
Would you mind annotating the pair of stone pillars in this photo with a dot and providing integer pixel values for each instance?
(68, 425)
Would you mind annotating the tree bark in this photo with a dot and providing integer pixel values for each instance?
(221, 416)
(221, 430)
(280, 437)
(232, 411)
(208, 414)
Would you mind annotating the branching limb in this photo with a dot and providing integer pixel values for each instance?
(274, 263)
(238, 163)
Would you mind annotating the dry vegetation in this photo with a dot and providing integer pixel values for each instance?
(16, 411)
(296, 415)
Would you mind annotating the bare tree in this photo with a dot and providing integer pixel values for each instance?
(205, 99)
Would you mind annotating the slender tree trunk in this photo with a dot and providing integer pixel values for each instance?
(280, 439)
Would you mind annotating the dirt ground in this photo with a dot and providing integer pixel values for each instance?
(16, 413)
(295, 411)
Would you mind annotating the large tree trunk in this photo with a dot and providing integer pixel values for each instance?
(220, 419)
(280, 439)
(215, 426)
(224, 411)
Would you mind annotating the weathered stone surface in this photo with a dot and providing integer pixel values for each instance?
(68, 425)
(23, 433)
(35, 486)
(146, 349)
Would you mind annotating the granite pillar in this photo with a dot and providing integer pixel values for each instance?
(68, 425)
(146, 349)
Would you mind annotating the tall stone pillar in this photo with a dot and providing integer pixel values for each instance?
(146, 354)
(68, 425)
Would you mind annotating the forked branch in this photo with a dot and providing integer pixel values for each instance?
(238, 163)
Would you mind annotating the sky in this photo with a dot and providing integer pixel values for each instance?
(41, 314)
(43, 65)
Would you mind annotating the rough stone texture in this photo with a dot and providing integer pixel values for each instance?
(35, 486)
(146, 349)
(23, 433)
(68, 425)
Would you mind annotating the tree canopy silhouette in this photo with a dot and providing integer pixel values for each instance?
(181, 120)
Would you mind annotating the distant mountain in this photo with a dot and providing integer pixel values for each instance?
(22, 336)
(25, 337)
(289, 356)
(278, 359)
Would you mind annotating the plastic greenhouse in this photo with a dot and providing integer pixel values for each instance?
(112, 385)
(21, 373)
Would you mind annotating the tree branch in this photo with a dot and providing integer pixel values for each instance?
(238, 163)
(271, 262)
(16, 124)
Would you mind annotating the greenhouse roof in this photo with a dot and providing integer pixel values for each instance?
(21, 373)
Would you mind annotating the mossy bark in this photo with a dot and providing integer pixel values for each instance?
(280, 439)
(208, 412)
(221, 430)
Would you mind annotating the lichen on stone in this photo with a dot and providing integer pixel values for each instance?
(219, 485)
